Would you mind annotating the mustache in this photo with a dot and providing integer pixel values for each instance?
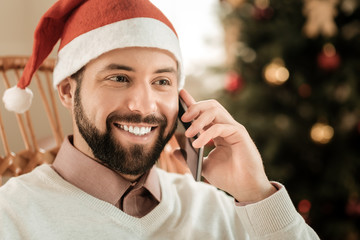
(136, 118)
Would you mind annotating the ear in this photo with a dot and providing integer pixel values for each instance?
(66, 90)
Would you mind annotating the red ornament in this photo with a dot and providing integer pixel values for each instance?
(328, 59)
(304, 206)
(234, 82)
(262, 13)
(328, 63)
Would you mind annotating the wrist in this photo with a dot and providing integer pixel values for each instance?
(256, 194)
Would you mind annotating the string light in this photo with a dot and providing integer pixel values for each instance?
(276, 73)
(321, 133)
(262, 4)
(329, 50)
(235, 3)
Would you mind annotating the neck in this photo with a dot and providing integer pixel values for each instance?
(130, 178)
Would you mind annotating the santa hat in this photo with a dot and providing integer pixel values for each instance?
(87, 29)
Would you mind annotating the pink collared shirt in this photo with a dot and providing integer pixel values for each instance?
(136, 199)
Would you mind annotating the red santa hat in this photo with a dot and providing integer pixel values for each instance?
(87, 29)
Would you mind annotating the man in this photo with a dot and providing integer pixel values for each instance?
(119, 72)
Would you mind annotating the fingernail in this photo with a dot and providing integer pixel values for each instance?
(195, 143)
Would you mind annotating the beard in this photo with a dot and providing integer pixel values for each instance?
(133, 160)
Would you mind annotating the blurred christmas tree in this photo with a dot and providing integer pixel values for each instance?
(293, 82)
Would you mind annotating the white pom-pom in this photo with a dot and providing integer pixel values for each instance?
(17, 100)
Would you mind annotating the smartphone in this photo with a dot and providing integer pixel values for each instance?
(194, 156)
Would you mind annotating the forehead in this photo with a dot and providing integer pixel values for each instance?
(138, 58)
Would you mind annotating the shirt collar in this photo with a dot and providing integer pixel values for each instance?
(96, 179)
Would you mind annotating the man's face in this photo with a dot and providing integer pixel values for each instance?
(125, 108)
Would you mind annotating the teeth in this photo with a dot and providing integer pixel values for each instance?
(138, 131)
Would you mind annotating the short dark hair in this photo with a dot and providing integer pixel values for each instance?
(78, 75)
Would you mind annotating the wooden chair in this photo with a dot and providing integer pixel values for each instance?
(16, 163)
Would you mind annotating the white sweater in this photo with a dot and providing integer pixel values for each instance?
(41, 205)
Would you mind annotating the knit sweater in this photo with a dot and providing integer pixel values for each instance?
(41, 205)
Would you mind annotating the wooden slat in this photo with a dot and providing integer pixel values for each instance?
(25, 160)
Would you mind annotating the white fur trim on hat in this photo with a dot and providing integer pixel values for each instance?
(17, 100)
(134, 32)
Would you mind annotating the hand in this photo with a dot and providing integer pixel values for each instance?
(234, 165)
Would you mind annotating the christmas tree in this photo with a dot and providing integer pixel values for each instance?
(293, 82)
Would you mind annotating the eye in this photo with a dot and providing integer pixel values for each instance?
(162, 82)
(119, 78)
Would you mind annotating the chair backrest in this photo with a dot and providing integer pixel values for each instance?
(14, 163)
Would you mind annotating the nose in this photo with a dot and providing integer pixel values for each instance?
(142, 99)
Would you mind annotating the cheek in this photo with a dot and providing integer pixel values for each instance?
(97, 108)
(170, 110)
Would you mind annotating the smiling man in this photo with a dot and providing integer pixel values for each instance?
(120, 74)
(133, 109)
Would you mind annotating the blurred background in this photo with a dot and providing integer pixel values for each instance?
(292, 78)
(287, 70)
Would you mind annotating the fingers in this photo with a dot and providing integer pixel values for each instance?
(204, 115)
(199, 124)
(187, 98)
(227, 132)
(220, 114)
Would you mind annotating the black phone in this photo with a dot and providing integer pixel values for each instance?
(194, 156)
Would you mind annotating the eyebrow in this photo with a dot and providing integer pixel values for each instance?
(130, 69)
(118, 67)
(166, 70)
